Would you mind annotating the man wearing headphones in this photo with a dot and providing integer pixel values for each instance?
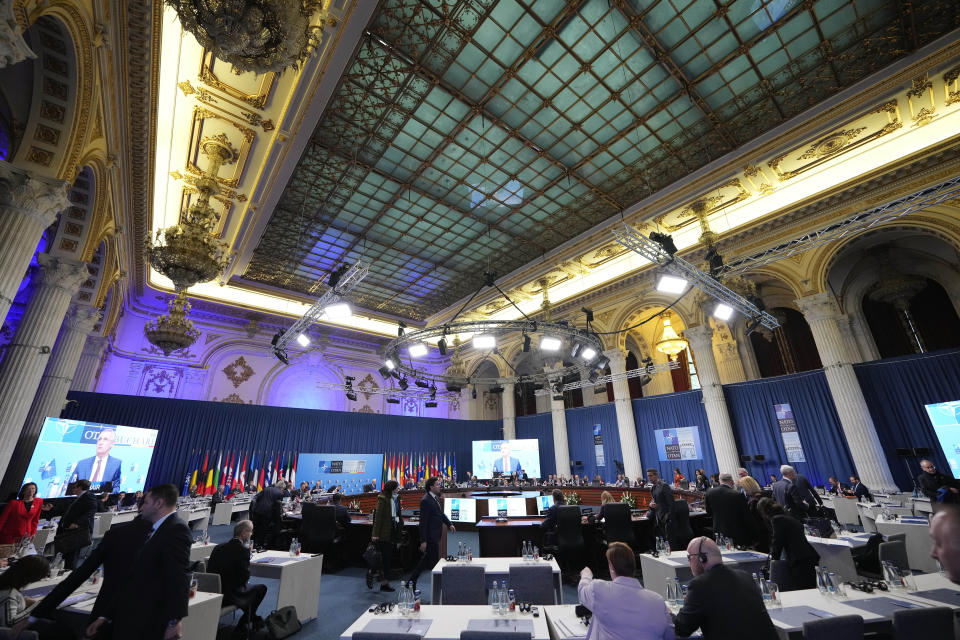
(715, 592)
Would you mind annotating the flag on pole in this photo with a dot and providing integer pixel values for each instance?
(186, 478)
(383, 478)
(454, 466)
(293, 473)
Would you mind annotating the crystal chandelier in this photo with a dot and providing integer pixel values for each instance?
(172, 332)
(669, 343)
(255, 35)
(190, 252)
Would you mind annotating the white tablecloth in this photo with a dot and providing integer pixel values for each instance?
(446, 622)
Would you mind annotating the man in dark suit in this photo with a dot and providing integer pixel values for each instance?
(343, 515)
(217, 496)
(788, 495)
(231, 560)
(729, 511)
(432, 520)
(859, 490)
(76, 522)
(935, 485)
(809, 494)
(721, 602)
(835, 487)
(661, 503)
(101, 467)
(267, 512)
(549, 525)
(146, 574)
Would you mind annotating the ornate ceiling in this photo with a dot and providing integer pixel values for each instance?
(480, 134)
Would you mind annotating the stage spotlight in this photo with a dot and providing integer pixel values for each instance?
(671, 284)
(403, 384)
(589, 313)
(715, 260)
(349, 379)
(384, 371)
(550, 343)
(588, 353)
(276, 338)
(558, 386)
(453, 388)
(665, 241)
(417, 350)
(602, 363)
(722, 312)
(433, 392)
(645, 379)
(421, 383)
(575, 349)
(282, 356)
(390, 364)
(442, 346)
(430, 404)
(303, 340)
(594, 375)
(351, 395)
(393, 400)
(496, 389)
(473, 393)
(337, 311)
(401, 325)
(335, 276)
(752, 325)
(526, 343)
(558, 397)
(484, 341)
(395, 374)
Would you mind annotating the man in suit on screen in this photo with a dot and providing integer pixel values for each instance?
(506, 464)
(102, 467)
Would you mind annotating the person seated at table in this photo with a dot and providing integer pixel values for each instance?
(789, 542)
(20, 517)
(678, 477)
(700, 480)
(935, 485)
(622, 609)
(15, 607)
(218, 496)
(549, 524)
(192, 491)
(231, 561)
(945, 537)
(342, 513)
(723, 603)
(103, 502)
(858, 489)
(266, 513)
(132, 500)
(835, 487)
(639, 482)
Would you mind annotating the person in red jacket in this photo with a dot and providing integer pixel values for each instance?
(19, 518)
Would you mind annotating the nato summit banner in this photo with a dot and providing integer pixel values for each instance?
(789, 433)
(681, 443)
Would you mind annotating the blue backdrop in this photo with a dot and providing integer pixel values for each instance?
(683, 409)
(540, 427)
(896, 390)
(580, 423)
(755, 425)
(186, 425)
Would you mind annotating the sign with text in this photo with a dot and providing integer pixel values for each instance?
(681, 443)
(789, 433)
(598, 446)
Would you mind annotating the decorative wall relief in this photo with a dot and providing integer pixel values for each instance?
(238, 372)
(158, 381)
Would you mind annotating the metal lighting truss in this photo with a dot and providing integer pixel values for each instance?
(653, 252)
(602, 380)
(350, 278)
(854, 224)
(445, 396)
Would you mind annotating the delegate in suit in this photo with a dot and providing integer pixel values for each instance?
(231, 561)
(729, 511)
(785, 492)
(146, 574)
(432, 521)
(75, 529)
(102, 467)
(505, 463)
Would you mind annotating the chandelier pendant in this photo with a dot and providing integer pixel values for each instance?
(173, 331)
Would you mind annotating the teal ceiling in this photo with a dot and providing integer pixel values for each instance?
(479, 134)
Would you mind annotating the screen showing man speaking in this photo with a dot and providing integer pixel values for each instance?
(505, 457)
(107, 455)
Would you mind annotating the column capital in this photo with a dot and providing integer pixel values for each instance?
(700, 337)
(819, 306)
(96, 343)
(62, 273)
(28, 194)
(618, 359)
(13, 48)
(82, 317)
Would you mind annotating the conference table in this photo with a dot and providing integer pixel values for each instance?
(203, 609)
(299, 579)
(917, 530)
(870, 511)
(494, 569)
(875, 608)
(445, 622)
(201, 551)
(656, 571)
(836, 554)
(197, 518)
(563, 623)
(845, 509)
(224, 512)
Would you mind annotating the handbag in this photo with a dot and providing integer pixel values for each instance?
(372, 556)
(70, 540)
(283, 623)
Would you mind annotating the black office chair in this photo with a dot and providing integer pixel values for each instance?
(318, 528)
(569, 549)
(895, 553)
(846, 627)
(935, 623)
(617, 525)
(495, 635)
(680, 531)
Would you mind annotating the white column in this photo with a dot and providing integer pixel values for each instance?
(27, 355)
(28, 205)
(861, 331)
(661, 382)
(588, 396)
(52, 392)
(626, 427)
(721, 429)
(729, 364)
(13, 48)
(509, 406)
(822, 314)
(561, 446)
(84, 378)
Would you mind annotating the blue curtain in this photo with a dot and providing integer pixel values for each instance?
(896, 390)
(188, 425)
(667, 411)
(539, 426)
(756, 429)
(580, 423)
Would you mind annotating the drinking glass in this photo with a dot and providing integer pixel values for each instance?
(774, 591)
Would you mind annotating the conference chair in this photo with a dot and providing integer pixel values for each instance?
(780, 574)
(680, 531)
(846, 627)
(318, 530)
(210, 583)
(462, 585)
(569, 538)
(935, 623)
(617, 525)
(533, 583)
(894, 537)
(385, 635)
(7, 634)
(495, 635)
(895, 553)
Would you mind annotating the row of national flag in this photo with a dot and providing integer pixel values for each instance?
(209, 470)
(417, 467)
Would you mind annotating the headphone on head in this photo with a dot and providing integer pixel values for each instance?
(701, 556)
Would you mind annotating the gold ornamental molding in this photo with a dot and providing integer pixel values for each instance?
(257, 98)
(723, 196)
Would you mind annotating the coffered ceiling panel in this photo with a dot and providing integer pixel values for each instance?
(479, 134)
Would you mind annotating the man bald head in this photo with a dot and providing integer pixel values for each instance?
(945, 534)
(709, 548)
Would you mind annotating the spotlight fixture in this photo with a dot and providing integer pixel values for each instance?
(421, 383)
(282, 356)
(395, 374)
(337, 311)
(600, 389)
(671, 284)
(384, 371)
(433, 392)
(589, 313)
(393, 400)
(602, 363)
(593, 376)
(484, 341)
(335, 276)
(349, 379)
(401, 325)
(473, 394)
(417, 350)
(430, 404)
(454, 388)
(575, 349)
(558, 386)
(390, 364)
(526, 343)
(442, 346)
(550, 343)
(496, 389)
(722, 311)
(351, 395)
(665, 240)
(752, 325)
(715, 261)
(303, 340)
(558, 397)
(403, 384)
(588, 353)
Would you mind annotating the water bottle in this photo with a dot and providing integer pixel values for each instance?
(671, 593)
(821, 584)
(757, 581)
(469, 553)
(502, 601)
(836, 585)
(765, 592)
(677, 593)
(666, 546)
(293, 547)
(460, 553)
(495, 597)
(402, 598)
(513, 601)
(416, 601)
(536, 554)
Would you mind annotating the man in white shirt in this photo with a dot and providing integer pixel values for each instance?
(622, 608)
(102, 467)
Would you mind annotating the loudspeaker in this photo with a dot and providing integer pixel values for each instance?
(922, 451)
(904, 452)
(759, 457)
(745, 459)
(579, 463)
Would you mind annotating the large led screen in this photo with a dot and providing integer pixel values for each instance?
(505, 457)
